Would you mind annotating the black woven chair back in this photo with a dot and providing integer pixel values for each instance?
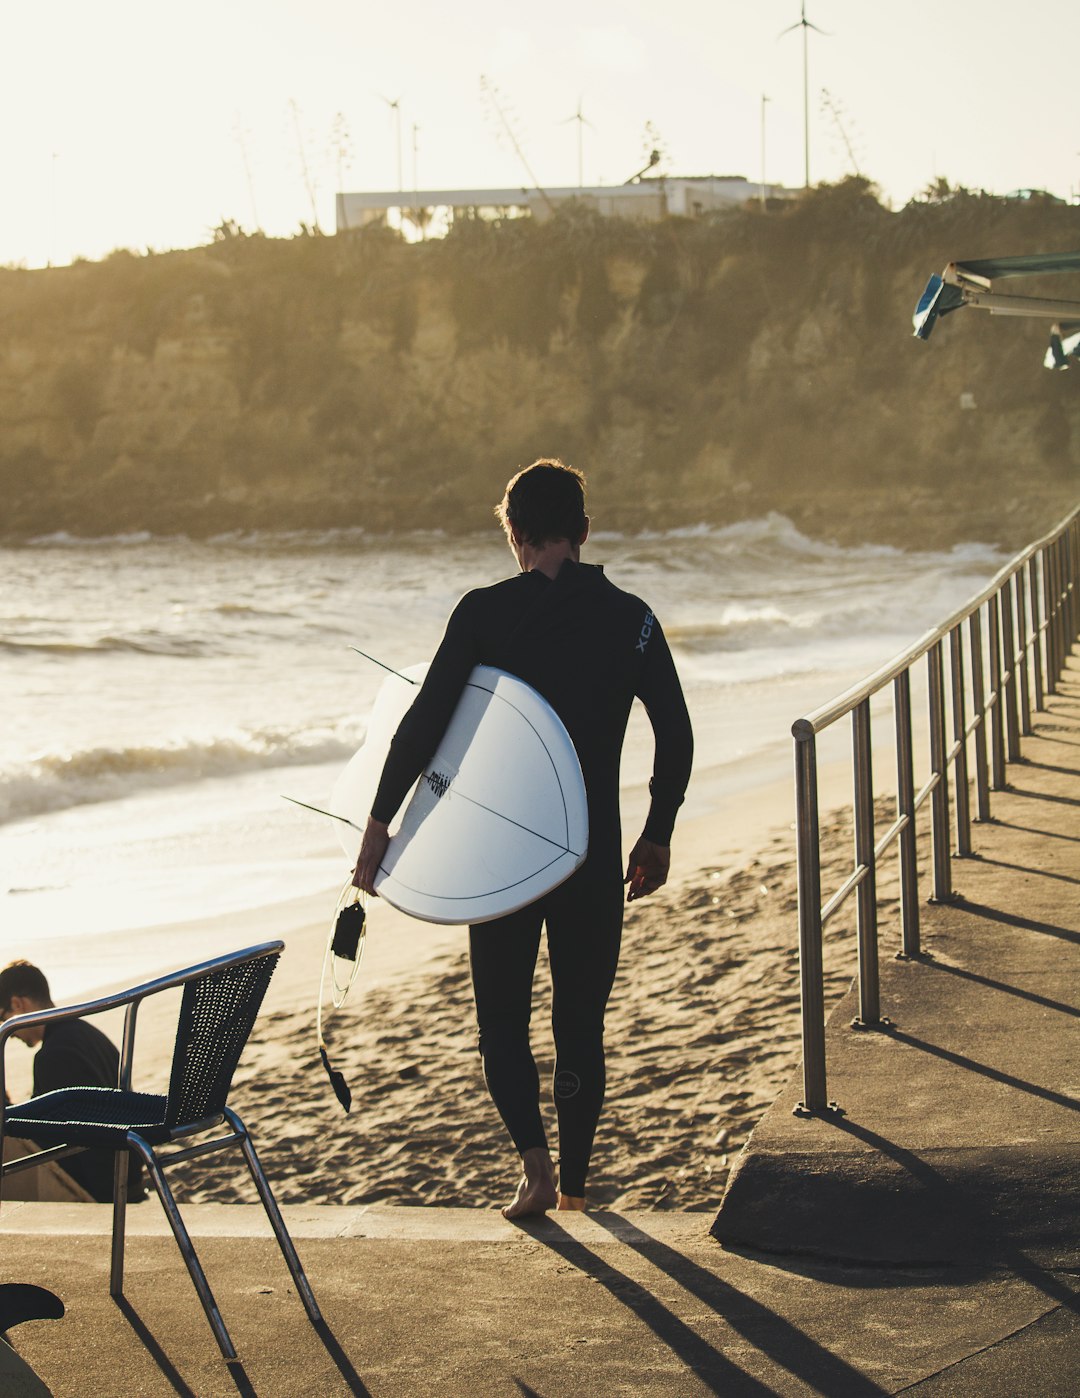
(217, 1014)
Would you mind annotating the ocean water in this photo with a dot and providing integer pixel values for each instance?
(161, 696)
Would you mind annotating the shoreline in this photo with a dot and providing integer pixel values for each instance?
(703, 1027)
(882, 517)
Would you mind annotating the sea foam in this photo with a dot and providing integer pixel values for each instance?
(55, 781)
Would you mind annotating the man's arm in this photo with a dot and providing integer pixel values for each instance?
(417, 737)
(661, 693)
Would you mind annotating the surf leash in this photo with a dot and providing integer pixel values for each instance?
(388, 668)
(344, 944)
(319, 811)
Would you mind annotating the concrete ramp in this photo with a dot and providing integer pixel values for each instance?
(960, 1135)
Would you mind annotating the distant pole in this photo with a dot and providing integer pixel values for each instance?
(805, 101)
(764, 103)
(52, 212)
(416, 179)
(395, 107)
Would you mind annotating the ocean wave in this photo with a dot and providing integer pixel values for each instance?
(178, 647)
(63, 540)
(57, 781)
(773, 535)
(738, 625)
(243, 609)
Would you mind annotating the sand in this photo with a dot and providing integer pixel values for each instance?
(703, 1030)
(703, 1027)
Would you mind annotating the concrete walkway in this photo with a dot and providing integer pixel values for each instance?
(926, 1242)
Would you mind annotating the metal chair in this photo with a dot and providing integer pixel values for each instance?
(220, 1002)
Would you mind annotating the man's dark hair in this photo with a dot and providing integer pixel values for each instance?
(544, 502)
(22, 978)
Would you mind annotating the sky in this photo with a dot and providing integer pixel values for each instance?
(145, 125)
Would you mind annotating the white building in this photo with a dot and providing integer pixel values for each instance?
(648, 199)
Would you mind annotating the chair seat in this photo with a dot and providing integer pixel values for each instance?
(89, 1116)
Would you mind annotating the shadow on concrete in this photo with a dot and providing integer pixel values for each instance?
(1030, 924)
(972, 1065)
(1028, 869)
(146, 1338)
(776, 1338)
(962, 1206)
(1033, 830)
(1048, 767)
(354, 1384)
(715, 1371)
(765, 1329)
(1004, 986)
(1044, 795)
(353, 1381)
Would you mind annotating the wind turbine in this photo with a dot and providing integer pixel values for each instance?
(805, 25)
(395, 107)
(581, 121)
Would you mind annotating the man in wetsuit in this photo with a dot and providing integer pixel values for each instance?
(589, 649)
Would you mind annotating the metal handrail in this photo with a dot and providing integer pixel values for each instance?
(1031, 610)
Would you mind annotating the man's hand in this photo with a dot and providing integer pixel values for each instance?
(646, 869)
(372, 849)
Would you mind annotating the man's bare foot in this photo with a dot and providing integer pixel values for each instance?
(536, 1193)
(572, 1202)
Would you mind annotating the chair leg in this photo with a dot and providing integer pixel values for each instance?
(120, 1194)
(183, 1242)
(277, 1223)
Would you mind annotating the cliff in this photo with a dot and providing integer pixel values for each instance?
(697, 370)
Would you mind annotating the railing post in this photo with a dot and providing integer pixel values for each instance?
(978, 704)
(1008, 649)
(997, 702)
(939, 807)
(905, 810)
(866, 894)
(1036, 631)
(1048, 608)
(811, 977)
(1022, 647)
(959, 723)
(1058, 624)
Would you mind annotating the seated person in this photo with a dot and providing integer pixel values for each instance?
(72, 1053)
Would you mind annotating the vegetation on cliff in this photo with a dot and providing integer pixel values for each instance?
(698, 370)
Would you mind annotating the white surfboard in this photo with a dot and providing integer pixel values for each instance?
(499, 816)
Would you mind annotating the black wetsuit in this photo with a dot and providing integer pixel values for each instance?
(74, 1053)
(589, 649)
